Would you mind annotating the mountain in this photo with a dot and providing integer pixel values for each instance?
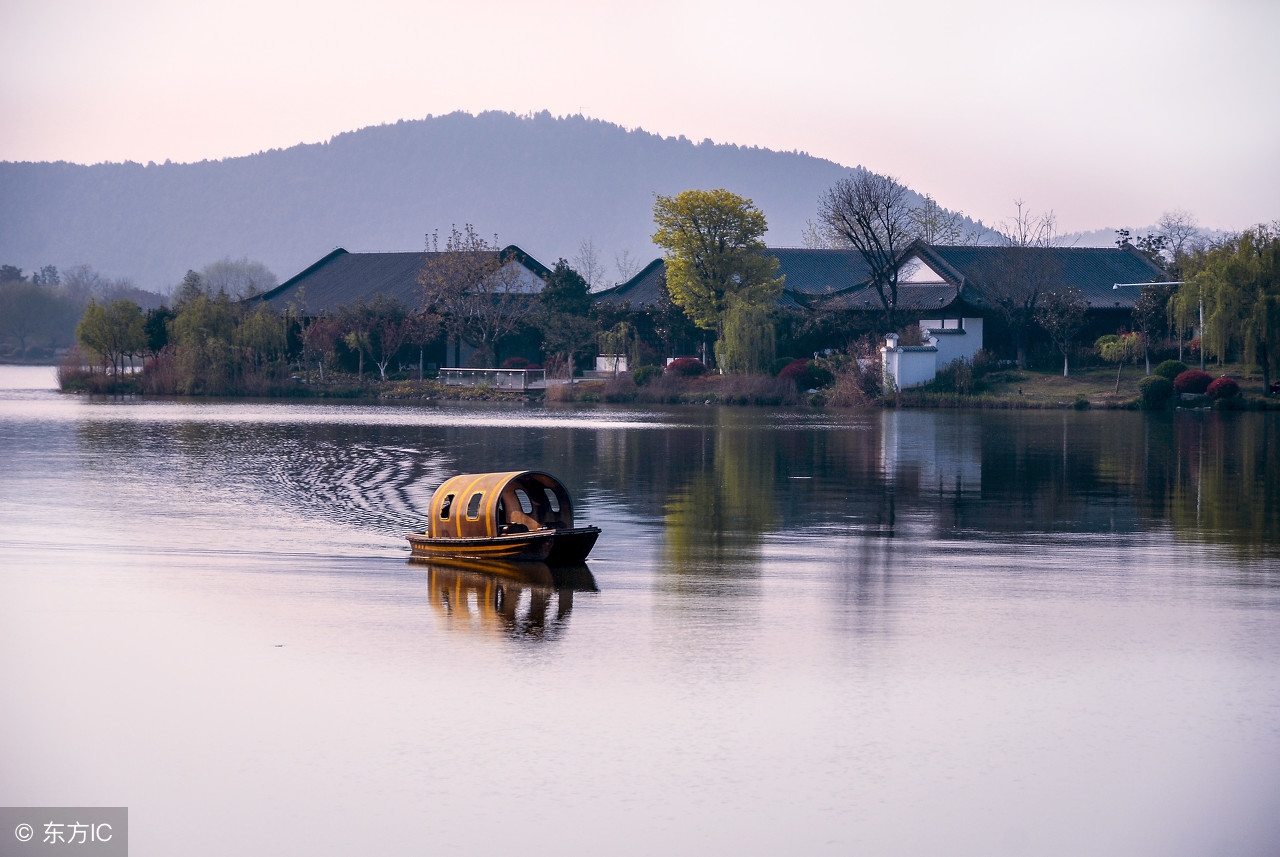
(541, 182)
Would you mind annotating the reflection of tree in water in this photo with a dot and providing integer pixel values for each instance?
(1223, 483)
(716, 519)
(720, 481)
(516, 600)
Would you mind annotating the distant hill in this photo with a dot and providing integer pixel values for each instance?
(541, 182)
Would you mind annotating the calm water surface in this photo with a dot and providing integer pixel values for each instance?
(888, 633)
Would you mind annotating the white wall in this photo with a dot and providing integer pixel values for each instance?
(909, 366)
(958, 339)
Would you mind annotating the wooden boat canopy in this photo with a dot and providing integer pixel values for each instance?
(486, 505)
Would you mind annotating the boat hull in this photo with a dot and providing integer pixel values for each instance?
(554, 547)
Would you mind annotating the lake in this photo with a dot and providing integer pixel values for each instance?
(888, 632)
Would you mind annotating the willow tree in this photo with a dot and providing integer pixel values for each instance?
(715, 258)
(1233, 299)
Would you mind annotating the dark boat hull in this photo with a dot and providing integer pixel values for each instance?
(554, 547)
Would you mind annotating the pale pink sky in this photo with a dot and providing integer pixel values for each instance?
(1108, 113)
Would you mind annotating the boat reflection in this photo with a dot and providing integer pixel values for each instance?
(504, 599)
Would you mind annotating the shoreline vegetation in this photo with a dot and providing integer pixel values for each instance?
(1002, 389)
(718, 301)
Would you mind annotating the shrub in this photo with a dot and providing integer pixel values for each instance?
(1229, 403)
(757, 390)
(1192, 381)
(957, 377)
(620, 389)
(1082, 401)
(644, 374)
(778, 365)
(805, 374)
(687, 366)
(515, 363)
(1170, 369)
(854, 386)
(73, 372)
(1223, 388)
(1155, 392)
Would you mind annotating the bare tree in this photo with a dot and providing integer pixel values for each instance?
(481, 296)
(873, 215)
(1016, 275)
(934, 224)
(626, 265)
(239, 278)
(1180, 227)
(1030, 230)
(814, 237)
(587, 263)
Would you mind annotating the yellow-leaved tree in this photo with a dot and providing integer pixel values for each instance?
(717, 269)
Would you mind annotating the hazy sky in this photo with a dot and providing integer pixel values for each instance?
(1108, 113)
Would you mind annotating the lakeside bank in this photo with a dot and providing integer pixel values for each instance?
(1004, 390)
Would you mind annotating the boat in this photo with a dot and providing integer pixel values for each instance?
(517, 516)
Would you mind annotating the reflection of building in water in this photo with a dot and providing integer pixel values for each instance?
(939, 456)
(526, 600)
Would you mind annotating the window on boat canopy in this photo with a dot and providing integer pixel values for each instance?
(526, 505)
(445, 506)
(473, 507)
(551, 498)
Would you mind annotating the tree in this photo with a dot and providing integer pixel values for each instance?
(240, 278)
(191, 287)
(1119, 349)
(626, 266)
(113, 332)
(1232, 299)
(749, 344)
(873, 215)
(47, 276)
(157, 329)
(1180, 231)
(1026, 268)
(564, 317)
(670, 323)
(481, 295)
(1150, 312)
(27, 310)
(263, 335)
(10, 274)
(424, 327)
(391, 326)
(933, 224)
(1061, 314)
(587, 263)
(714, 253)
(320, 341)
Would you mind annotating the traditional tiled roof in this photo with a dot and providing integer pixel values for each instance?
(341, 278)
(639, 292)
(816, 273)
(911, 298)
(807, 275)
(1094, 271)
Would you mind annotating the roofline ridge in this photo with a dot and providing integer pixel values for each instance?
(319, 263)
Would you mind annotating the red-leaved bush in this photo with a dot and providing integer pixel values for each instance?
(795, 370)
(515, 363)
(1223, 388)
(687, 366)
(1192, 381)
(805, 374)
